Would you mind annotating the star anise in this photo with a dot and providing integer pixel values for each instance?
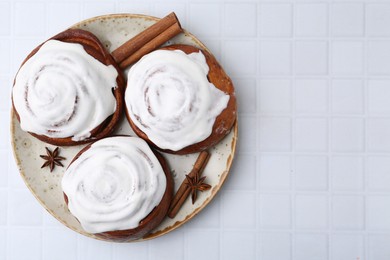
(196, 184)
(52, 159)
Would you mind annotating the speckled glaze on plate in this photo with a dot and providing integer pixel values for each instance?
(113, 30)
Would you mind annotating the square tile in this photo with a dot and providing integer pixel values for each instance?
(275, 134)
(23, 209)
(243, 22)
(275, 20)
(311, 58)
(311, 95)
(378, 96)
(311, 20)
(30, 18)
(247, 134)
(4, 119)
(311, 246)
(128, 251)
(275, 211)
(378, 212)
(4, 132)
(346, 173)
(92, 9)
(49, 220)
(378, 134)
(158, 247)
(210, 24)
(274, 246)
(5, 53)
(5, 137)
(135, 7)
(347, 19)
(162, 9)
(274, 95)
(347, 57)
(21, 48)
(62, 15)
(239, 57)
(275, 58)
(99, 250)
(347, 246)
(378, 19)
(4, 168)
(3, 207)
(243, 174)
(378, 246)
(238, 205)
(311, 211)
(232, 240)
(275, 172)
(347, 134)
(5, 20)
(311, 172)
(208, 241)
(246, 94)
(5, 98)
(378, 169)
(347, 212)
(67, 249)
(378, 57)
(311, 134)
(347, 96)
(30, 238)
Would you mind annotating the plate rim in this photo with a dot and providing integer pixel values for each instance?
(175, 225)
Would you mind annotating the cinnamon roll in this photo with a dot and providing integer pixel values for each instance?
(180, 100)
(118, 188)
(69, 90)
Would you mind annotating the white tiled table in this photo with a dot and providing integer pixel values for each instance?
(311, 179)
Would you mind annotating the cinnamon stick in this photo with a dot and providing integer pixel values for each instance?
(147, 40)
(184, 191)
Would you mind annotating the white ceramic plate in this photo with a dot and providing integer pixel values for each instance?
(113, 30)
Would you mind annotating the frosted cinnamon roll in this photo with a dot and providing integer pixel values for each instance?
(69, 90)
(118, 188)
(179, 99)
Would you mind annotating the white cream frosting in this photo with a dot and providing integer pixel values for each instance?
(170, 99)
(115, 184)
(62, 91)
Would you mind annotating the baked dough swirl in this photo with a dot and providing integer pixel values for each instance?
(63, 94)
(114, 184)
(170, 99)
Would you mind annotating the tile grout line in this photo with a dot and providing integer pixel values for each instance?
(257, 140)
(366, 121)
(293, 194)
(329, 131)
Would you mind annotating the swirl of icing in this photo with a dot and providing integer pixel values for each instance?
(114, 184)
(62, 91)
(170, 99)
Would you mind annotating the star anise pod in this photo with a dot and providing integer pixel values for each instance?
(52, 159)
(196, 184)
